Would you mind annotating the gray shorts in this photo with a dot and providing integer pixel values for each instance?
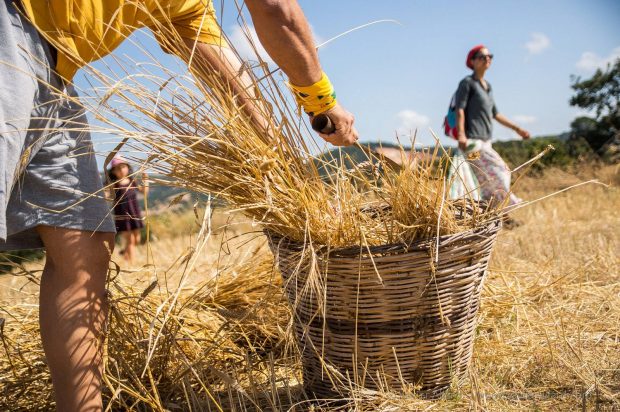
(48, 171)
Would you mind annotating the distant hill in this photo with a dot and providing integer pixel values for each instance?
(164, 198)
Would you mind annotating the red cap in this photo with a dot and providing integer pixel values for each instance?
(472, 53)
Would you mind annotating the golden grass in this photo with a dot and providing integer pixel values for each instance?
(196, 131)
(549, 336)
(207, 329)
(550, 330)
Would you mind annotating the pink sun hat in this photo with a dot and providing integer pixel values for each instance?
(118, 160)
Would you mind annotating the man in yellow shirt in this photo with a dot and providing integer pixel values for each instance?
(48, 173)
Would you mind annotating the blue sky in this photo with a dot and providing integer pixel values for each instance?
(396, 77)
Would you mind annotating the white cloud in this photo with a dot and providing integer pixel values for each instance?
(410, 120)
(538, 43)
(524, 119)
(591, 61)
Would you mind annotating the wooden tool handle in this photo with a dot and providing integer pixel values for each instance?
(323, 124)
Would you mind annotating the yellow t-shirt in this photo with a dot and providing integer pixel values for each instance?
(86, 30)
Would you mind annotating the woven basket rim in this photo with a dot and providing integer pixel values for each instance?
(489, 225)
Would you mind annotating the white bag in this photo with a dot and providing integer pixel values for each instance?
(461, 178)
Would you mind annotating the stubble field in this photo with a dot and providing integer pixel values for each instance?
(200, 322)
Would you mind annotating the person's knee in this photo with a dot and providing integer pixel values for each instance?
(97, 250)
(104, 251)
(69, 249)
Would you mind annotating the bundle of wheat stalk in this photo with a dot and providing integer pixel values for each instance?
(197, 133)
(237, 140)
(548, 338)
(168, 345)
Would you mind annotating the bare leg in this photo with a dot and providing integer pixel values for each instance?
(129, 246)
(72, 313)
(136, 235)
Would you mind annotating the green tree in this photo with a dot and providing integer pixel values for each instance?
(600, 93)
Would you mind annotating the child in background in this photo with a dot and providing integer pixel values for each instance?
(127, 212)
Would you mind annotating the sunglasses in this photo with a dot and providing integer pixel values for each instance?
(484, 56)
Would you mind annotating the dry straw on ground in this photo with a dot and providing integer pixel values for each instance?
(549, 336)
(224, 344)
(174, 342)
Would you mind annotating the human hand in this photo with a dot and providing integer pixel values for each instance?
(345, 133)
(523, 133)
(463, 143)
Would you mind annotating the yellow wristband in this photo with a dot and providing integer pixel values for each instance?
(317, 98)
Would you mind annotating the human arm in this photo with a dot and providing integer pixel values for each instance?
(460, 127)
(285, 33)
(226, 63)
(503, 120)
(461, 98)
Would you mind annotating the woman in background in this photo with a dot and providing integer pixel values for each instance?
(127, 212)
(475, 110)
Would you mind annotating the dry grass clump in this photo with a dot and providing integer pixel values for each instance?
(197, 340)
(196, 131)
(548, 338)
(170, 346)
(550, 332)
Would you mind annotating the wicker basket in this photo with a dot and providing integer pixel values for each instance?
(388, 315)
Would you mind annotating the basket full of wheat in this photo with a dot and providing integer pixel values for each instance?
(383, 273)
(386, 316)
